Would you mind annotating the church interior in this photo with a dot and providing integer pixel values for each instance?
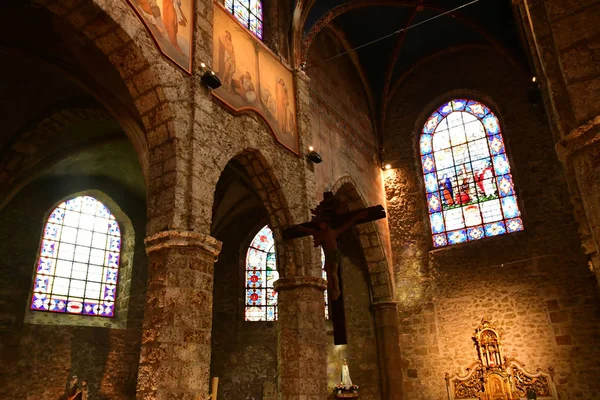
(300, 200)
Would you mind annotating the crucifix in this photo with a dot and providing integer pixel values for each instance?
(326, 225)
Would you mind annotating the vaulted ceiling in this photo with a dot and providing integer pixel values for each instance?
(483, 22)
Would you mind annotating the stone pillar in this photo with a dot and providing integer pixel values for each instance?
(388, 350)
(175, 354)
(302, 340)
(579, 151)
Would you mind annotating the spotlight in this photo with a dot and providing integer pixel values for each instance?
(533, 79)
(310, 148)
(388, 166)
(210, 79)
(314, 156)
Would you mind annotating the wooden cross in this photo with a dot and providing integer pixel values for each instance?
(327, 224)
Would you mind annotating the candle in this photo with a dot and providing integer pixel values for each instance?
(214, 388)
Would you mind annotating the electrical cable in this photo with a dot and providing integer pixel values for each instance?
(389, 35)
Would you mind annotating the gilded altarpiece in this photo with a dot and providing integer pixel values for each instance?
(497, 377)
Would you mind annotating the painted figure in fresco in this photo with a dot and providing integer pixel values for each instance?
(447, 191)
(463, 195)
(172, 18)
(226, 59)
(326, 237)
(244, 87)
(152, 14)
(484, 181)
(282, 101)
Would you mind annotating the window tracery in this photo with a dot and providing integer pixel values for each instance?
(468, 181)
(77, 267)
(249, 13)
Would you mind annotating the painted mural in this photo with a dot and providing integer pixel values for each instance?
(253, 78)
(170, 23)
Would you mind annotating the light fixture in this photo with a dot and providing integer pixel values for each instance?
(533, 79)
(209, 78)
(313, 156)
(388, 166)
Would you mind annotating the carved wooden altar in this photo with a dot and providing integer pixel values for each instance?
(496, 377)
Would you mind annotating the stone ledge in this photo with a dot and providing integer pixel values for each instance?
(291, 282)
(169, 239)
(579, 138)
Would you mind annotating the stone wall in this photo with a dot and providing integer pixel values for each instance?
(37, 360)
(535, 283)
(244, 354)
(342, 123)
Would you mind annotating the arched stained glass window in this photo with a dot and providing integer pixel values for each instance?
(249, 13)
(468, 181)
(324, 275)
(261, 274)
(78, 265)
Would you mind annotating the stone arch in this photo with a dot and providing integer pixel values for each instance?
(112, 27)
(270, 192)
(35, 146)
(381, 281)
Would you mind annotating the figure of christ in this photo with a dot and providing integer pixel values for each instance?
(326, 236)
(172, 18)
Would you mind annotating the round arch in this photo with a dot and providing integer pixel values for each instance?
(379, 275)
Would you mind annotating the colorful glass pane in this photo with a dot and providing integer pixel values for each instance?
(261, 274)
(78, 265)
(324, 275)
(468, 183)
(249, 13)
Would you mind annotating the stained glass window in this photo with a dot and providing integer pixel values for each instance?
(261, 274)
(78, 265)
(468, 181)
(249, 13)
(324, 274)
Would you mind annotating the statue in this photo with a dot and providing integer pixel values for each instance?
(325, 227)
(77, 390)
(346, 381)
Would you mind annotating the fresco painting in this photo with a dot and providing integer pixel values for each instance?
(170, 23)
(253, 78)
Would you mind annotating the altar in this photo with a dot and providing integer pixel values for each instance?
(497, 377)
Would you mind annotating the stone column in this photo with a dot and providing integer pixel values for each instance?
(388, 350)
(175, 354)
(302, 340)
(579, 151)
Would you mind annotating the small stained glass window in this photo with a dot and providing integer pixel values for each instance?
(468, 181)
(249, 13)
(261, 274)
(78, 265)
(324, 274)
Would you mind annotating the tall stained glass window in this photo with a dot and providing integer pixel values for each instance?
(468, 181)
(78, 265)
(249, 13)
(261, 273)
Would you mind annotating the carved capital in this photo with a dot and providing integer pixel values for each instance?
(585, 135)
(292, 282)
(170, 239)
